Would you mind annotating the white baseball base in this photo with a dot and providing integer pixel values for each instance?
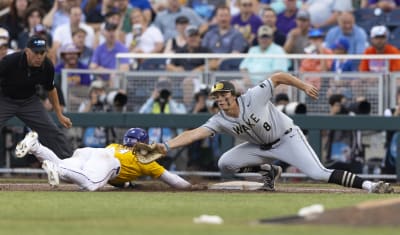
(236, 185)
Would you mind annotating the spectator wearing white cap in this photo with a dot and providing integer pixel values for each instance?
(5, 36)
(379, 45)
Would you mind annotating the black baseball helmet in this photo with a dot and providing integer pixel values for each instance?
(223, 86)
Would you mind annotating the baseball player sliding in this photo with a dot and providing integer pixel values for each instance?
(92, 168)
(267, 133)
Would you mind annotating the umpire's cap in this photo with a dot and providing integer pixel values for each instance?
(223, 86)
(37, 44)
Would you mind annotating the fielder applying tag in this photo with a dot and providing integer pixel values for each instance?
(146, 153)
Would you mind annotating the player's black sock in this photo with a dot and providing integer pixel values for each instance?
(263, 167)
(346, 179)
(249, 169)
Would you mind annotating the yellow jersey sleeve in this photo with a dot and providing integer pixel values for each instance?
(131, 169)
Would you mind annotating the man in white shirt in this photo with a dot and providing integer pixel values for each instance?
(63, 33)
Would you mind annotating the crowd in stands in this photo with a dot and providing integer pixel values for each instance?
(222, 26)
(87, 34)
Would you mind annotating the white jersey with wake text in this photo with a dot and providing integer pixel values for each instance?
(259, 121)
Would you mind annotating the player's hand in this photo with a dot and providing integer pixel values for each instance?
(162, 148)
(311, 91)
(65, 121)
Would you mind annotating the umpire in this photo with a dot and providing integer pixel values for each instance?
(21, 74)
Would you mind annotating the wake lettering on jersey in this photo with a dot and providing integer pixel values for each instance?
(239, 129)
(254, 118)
(248, 122)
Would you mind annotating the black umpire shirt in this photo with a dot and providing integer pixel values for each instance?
(20, 81)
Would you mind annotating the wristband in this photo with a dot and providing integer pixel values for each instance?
(166, 146)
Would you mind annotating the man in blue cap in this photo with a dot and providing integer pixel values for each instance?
(316, 46)
(21, 74)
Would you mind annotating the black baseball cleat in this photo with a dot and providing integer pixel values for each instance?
(270, 173)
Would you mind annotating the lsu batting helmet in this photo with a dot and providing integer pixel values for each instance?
(134, 135)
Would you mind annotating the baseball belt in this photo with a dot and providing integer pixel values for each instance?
(269, 145)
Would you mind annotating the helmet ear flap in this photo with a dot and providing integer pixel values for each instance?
(130, 141)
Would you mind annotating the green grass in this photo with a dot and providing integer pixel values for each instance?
(152, 213)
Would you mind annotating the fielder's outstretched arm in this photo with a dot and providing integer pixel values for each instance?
(186, 138)
(288, 79)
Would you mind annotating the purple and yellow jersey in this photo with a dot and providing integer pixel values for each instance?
(131, 169)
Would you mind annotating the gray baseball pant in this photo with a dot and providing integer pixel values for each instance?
(32, 112)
